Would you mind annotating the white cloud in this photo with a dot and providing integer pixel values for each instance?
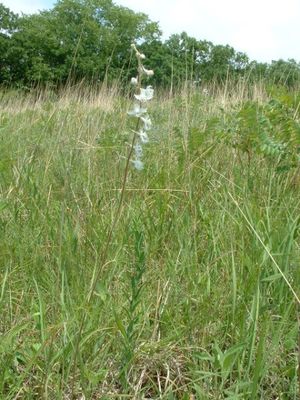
(264, 29)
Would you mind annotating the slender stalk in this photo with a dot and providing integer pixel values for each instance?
(104, 255)
(116, 218)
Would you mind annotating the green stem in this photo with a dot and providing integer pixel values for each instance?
(110, 233)
(104, 255)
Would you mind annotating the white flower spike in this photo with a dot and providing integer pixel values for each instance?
(142, 95)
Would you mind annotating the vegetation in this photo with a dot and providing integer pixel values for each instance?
(198, 296)
(90, 40)
(160, 271)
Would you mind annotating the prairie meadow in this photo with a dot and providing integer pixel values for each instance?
(178, 280)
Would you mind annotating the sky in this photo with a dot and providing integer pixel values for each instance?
(265, 30)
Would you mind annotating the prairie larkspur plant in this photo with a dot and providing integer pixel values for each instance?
(139, 110)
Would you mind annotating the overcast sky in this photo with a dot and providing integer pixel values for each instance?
(264, 29)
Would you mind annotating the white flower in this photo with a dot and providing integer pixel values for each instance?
(134, 81)
(138, 54)
(138, 150)
(143, 136)
(147, 122)
(137, 111)
(145, 94)
(148, 72)
(138, 164)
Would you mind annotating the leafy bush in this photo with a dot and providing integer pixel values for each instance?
(271, 129)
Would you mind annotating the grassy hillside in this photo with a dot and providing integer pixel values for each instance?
(199, 286)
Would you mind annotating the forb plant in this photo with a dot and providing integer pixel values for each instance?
(143, 125)
(139, 110)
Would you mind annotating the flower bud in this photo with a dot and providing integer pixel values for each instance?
(148, 72)
(134, 81)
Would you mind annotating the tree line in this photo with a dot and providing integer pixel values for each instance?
(90, 40)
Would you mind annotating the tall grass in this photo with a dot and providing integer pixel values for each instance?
(190, 303)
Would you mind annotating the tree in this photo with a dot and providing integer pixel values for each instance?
(90, 40)
(8, 23)
(76, 39)
(188, 56)
(284, 72)
(183, 58)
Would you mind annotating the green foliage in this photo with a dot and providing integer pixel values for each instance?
(8, 23)
(182, 58)
(283, 72)
(75, 40)
(133, 310)
(271, 129)
(190, 302)
(90, 40)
